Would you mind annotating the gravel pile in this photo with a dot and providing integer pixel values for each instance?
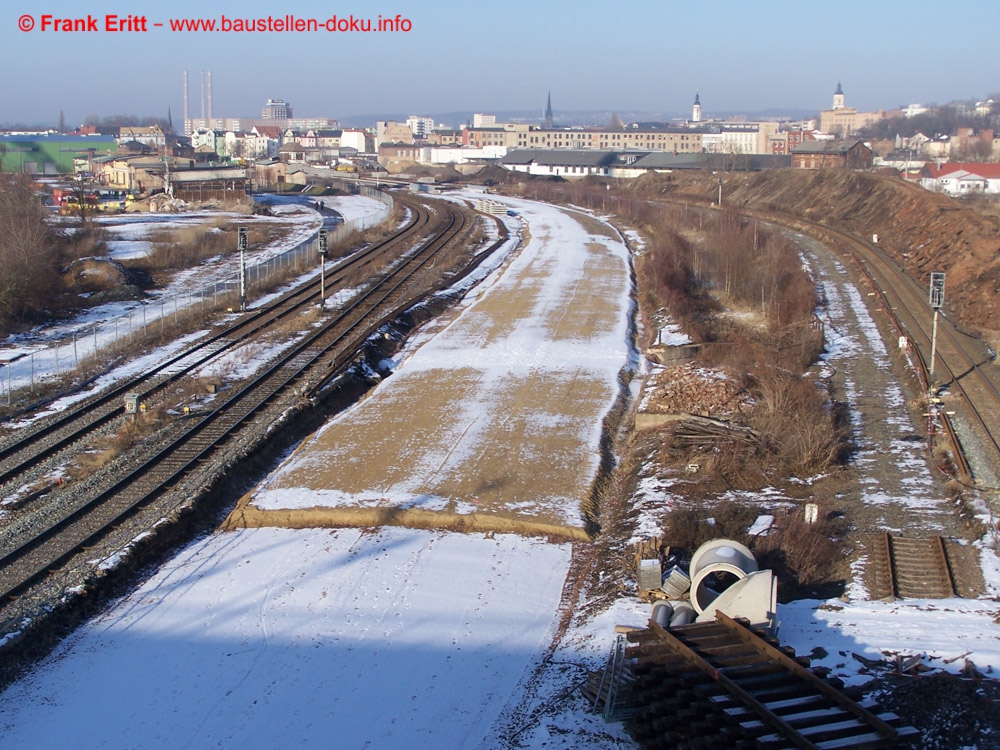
(949, 712)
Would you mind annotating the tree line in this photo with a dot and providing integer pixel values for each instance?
(32, 255)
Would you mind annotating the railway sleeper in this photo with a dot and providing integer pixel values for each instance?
(833, 730)
(746, 658)
(693, 741)
(734, 708)
(704, 639)
(767, 682)
(683, 697)
(756, 668)
(656, 657)
(725, 650)
(667, 700)
(804, 722)
(868, 740)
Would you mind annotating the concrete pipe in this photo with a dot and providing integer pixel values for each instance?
(683, 614)
(662, 612)
(720, 559)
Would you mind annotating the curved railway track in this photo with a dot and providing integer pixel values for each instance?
(299, 374)
(723, 685)
(960, 362)
(961, 374)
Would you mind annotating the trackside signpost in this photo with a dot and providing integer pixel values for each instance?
(243, 244)
(937, 302)
(322, 267)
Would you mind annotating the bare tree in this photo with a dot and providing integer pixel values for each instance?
(28, 252)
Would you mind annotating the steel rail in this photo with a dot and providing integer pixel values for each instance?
(91, 414)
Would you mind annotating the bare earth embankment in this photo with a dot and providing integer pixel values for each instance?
(924, 231)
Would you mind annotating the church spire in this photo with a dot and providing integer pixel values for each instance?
(548, 113)
(838, 97)
(696, 109)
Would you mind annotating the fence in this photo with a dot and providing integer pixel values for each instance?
(91, 346)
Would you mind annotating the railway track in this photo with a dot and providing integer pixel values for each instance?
(723, 685)
(45, 443)
(57, 539)
(960, 359)
(912, 568)
(961, 371)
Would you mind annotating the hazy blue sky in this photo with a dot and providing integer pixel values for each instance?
(488, 55)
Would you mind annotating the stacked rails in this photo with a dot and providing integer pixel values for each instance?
(722, 685)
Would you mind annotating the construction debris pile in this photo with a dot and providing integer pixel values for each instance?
(722, 576)
(708, 672)
(692, 389)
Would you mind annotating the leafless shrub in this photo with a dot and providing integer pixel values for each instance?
(803, 555)
(29, 253)
(688, 528)
(793, 417)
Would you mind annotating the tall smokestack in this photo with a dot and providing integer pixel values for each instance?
(203, 95)
(210, 98)
(187, 114)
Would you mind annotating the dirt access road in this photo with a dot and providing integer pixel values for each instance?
(493, 421)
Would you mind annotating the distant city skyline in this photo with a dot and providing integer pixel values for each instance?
(643, 57)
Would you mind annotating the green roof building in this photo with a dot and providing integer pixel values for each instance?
(53, 153)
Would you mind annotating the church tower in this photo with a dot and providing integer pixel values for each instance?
(838, 97)
(548, 113)
(696, 109)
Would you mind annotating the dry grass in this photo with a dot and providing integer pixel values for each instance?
(107, 448)
(187, 246)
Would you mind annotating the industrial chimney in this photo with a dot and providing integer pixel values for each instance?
(187, 113)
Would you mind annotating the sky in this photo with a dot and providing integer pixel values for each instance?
(485, 57)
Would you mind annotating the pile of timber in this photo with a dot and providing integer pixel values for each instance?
(695, 431)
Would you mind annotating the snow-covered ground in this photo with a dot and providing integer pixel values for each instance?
(354, 207)
(272, 638)
(500, 412)
(422, 639)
